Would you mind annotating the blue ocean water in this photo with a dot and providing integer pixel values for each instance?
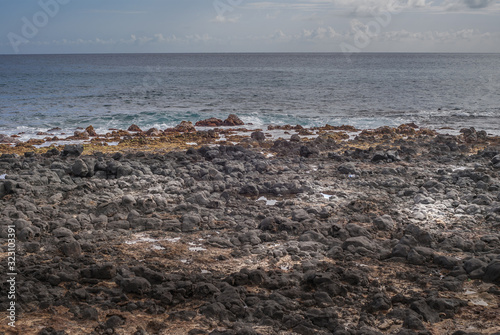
(39, 92)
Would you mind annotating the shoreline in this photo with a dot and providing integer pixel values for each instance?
(328, 230)
(206, 132)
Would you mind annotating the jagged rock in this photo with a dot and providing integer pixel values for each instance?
(153, 132)
(348, 168)
(383, 222)
(81, 135)
(80, 168)
(72, 150)
(137, 285)
(492, 272)
(211, 122)
(71, 248)
(134, 128)
(233, 120)
(185, 127)
(258, 136)
(90, 130)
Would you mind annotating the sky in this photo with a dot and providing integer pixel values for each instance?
(139, 26)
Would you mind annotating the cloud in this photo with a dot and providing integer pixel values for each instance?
(449, 36)
(313, 5)
(457, 5)
(370, 7)
(320, 33)
(132, 40)
(366, 8)
(225, 19)
(478, 3)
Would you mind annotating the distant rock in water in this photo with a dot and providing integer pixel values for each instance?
(8, 139)
(185, 127)
(81, 135)
(91, 131)
(134, 127)
(232, 120)
(211, 122)
(153, 132)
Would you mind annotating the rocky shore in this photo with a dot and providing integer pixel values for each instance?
(387, 231)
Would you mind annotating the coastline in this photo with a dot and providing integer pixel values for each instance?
(209, 132)
(235, 230)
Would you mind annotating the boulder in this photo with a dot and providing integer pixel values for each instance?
(72, 150)
(492, 272)
(258, 136)
(185, 127)
(137, 285)
(383, 222)
(91, 131)
(233, 120)
(421, 307)
(308, 151)
(81, 135)
(359, 241)
(153, 132)
(80, 168)
(380, 302)
(134, 128)
(71, 248)
(211, 122)
(190, 222)
(348, 168)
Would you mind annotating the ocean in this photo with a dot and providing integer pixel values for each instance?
(39, 92)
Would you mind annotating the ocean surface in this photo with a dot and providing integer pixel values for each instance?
(39, 92)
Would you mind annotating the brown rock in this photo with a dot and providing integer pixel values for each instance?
(33, 141)
(90, 130)
(406, 129)
(185, 127)
(342, 127)
(153, 132)
(285, 127)
(211, 122)
(81, 135)
(7, 139)
(233, 120)
(134, 128)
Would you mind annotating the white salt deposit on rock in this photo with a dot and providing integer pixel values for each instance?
(268, 202)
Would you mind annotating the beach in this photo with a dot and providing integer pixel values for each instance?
(221, 227)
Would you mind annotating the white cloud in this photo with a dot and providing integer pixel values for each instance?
(482, 6)
(370, 7)
(449, 36)
(320, 33)
(133, 39)
(225, 19)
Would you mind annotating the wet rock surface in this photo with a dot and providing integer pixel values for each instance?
(376, 236)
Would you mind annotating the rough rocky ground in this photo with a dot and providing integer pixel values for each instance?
(390, 233)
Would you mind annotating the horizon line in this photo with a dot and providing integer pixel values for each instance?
(250, 52)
